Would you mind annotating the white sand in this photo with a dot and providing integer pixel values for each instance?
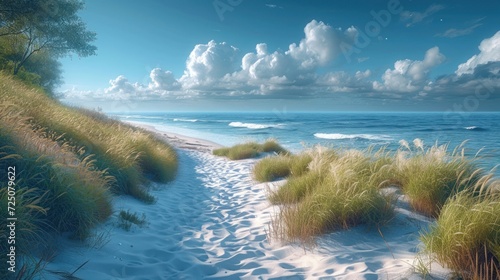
(212, 222)
(178, 140)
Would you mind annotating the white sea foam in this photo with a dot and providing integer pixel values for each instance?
(253, 125)
(340, 136)
(185, 120)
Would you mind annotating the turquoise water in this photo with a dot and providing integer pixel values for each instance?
(346, 130)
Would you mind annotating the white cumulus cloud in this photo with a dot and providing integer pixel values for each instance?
(163, 80)
(489, 52)
(163, 84)
(410, 75)
(321, 44)
(480, 74)
(207, 63)
(215, 69)
(218, 69)
(121, 85)
(265, 73)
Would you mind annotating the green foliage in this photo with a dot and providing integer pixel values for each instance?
(427, 176)
(299, 164)
(74, 193)
(33, 34)
(334, 205)
(240, 151)
(250, 150)
(47, 68)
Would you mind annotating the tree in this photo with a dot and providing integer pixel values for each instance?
(13, 10)
(44, 25)
(48, 68)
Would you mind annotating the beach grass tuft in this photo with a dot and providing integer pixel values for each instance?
(250, 150)
(336, 192)
(283, 165)
(465, 237)
(429, 177)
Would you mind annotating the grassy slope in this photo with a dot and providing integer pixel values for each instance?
(68, 162)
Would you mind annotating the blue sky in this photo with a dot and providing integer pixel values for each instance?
(301, 55)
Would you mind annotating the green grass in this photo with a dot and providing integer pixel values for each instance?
(280, 166)
(296, 188)
(337, 192)
(68, 164)
(429, 177)
(466, 236)
(340, 189)
(334, 206)
(74, 193)
(128, 154)
(250, 150)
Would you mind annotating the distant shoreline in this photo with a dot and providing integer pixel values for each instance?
(179, 140)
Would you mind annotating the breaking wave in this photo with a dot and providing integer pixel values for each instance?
(185, 120)
(340, 136)
(253, 125)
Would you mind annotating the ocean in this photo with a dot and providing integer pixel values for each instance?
(296, 131)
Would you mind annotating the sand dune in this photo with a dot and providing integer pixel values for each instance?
(212, 222)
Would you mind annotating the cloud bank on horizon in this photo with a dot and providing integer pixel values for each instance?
(220, 70)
